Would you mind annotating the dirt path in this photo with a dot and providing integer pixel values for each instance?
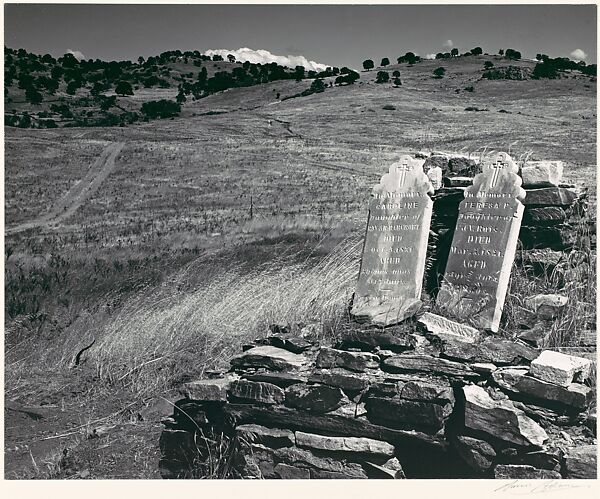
(74, 198)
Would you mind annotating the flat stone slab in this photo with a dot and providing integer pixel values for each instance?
(440, 326)
(340, 378)
(551, 196)
(281, 379)
(407, 414)
(580, 462)
(209, 390)
(256, 391)
(424, 391)
(575, 395)
(560, 369)
(495, 350)
(372, 338)
(344, 444)
(546, 306)
(269, 357)
(424, 363)
(523, 472)
(294, 344)
(545, 215)
(500, 419)
(478, 454)
(315, 398)
(542, 173)
(319, 467)
(355, 361)
(270, 437)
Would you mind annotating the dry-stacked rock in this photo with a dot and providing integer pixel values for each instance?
(439, 401)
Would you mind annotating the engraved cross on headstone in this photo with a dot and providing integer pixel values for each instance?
(405, 167)
(497, 167)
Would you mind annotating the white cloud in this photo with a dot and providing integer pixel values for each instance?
(78, 55)
(430, 56)
(264, 56)
(448, 43)
(578, 55)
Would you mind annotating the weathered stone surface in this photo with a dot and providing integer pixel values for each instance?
(388, 339)
(404, 414)
(546, 306)
(442, 327)
(435, 176)
(294, 344)
(575, 395)
(269, 357)
(547, 459)
(393, 261)
(557, 237)
(523, 472)
(391, 469)
(316, 398)
(478, 454)
(207, 389)
(494, 350)
(415, 362)
(340, 378)
(320, 467)
(355, 361)
(541, 261)
(580, 462)
(483, 367)
(542, 173)
(500, 419)
(536, 337)
(350, 410)
(551, 196)
(270, 437)
(344, 444)
(440, 392)
(289, 472)
(483, 248)
(256, 391)
(281, 379)
(545, 215)
(560, 368)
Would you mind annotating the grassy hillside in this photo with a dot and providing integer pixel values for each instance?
(245, 209)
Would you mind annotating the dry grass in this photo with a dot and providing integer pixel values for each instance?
(185, 333)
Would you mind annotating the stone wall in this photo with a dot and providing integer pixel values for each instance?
(410, 401)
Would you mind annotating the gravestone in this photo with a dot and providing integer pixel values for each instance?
(393, 261)
(484, 245)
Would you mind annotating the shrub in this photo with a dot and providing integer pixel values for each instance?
(488, 65)
(439, 72)
(123, 88)
(469, 89)
(397, 82)
(389, 107)
(161, 109)
(382, 77)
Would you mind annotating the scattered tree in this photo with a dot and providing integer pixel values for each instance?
(454, 52)
(123, 88)
(368, 64)
(161, 109)
(33, 96)
(385, 62)
(231, 58)
(488, 65)
(382, 77)
(477, 51)
(397, 82)
(396, 74)
(439, 72)
(512, 54)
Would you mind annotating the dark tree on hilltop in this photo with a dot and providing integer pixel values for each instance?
(317, 86)
(477, 51)
(512, 54)
(299, 73)
(439, 72)
(439, 55)
(501, 52)
(385, 62)
(409, 57)
(347, 79)
(124, 88)
(396, 74)
(454, 52)
(368, 64)
(217, 57)
(231, 58)
(382, 77)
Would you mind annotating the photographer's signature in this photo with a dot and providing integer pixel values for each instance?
(520, 487)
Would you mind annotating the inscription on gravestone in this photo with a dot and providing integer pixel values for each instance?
(393, 261)
(484, 245)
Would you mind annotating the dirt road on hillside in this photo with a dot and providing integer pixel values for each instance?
(74, 198)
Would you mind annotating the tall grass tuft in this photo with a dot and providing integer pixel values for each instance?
(160, 337)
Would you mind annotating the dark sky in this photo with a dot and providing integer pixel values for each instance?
(337, 35)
